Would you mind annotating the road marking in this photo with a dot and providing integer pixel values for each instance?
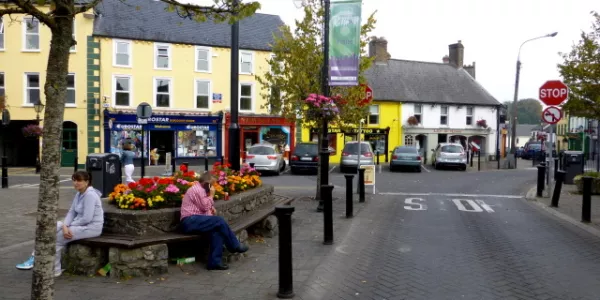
(426, 170)
(332, 168)
(460, 205)
(484, 206)
(410, 201)
(452, 195)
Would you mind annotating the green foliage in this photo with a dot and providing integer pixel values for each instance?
(529, 111)
(296, 70)
(581, 72)
(220, 11)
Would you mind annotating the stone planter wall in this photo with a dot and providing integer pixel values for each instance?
(578, 181)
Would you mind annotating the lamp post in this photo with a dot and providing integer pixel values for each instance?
(38, 107)
(234, 126)
(5, 122)
(514, 108)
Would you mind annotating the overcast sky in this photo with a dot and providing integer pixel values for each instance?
(491, 32)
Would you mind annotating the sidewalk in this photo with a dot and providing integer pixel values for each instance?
(254, 277)
(68, 171)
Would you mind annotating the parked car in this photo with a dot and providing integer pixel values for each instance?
(266, 157)
(449, 155)
(350, 157)
(406, 157)
(532, 150)
(305, 158)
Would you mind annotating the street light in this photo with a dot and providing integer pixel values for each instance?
(38, 107)
(514, 108)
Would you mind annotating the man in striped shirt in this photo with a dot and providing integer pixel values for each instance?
(198, 215)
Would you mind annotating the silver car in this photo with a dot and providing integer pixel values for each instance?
(266, 157)
(350, 156)
(449, 155)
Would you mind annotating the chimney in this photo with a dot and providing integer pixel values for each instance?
(445, 59)
(378, 49)
(457, 54)
(471, 70)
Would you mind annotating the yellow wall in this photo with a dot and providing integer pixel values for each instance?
(14, 63)
(389, 116)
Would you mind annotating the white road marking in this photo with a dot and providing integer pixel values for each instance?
(332, 168)
(460, 205)
(452, 195)
(411, 203)
(484, 206)
(426, 170)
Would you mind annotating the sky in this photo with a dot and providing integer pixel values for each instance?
(491, 32)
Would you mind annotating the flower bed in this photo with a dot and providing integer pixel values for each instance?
(157, 192)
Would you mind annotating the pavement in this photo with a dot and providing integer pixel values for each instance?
(442, 234)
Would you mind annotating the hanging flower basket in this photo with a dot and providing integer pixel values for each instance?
(413, 121)
(320, 107)
(32, 130)
(482, 123)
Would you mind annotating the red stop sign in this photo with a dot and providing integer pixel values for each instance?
(368, 93)
(553, 92)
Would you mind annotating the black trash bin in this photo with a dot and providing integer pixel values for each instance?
(572, 165)
(105, 169)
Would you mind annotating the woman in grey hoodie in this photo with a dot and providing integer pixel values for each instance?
(84, 219)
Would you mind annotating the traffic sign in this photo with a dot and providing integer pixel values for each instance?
(552, 115)
(553, 92)
(368, 93)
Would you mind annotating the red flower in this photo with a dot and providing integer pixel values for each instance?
(132, 185)
(145, 181)
(156, 178)
(165, 181)
(183, 168)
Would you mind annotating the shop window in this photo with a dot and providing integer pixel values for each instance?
(122, 53)
(377, 142)
(419, 112)
(122, 85)
(1, 34)
(118, 138)
(31, 31)
(246, 96)
(409, 140)
(162, 92)
(162, 53)
(246, 62)
(203, 59)
(444, 115)
(70, 90)
(374, 114)
(2, 86)
(202, 94)
(32, 88)
(199, 141)
(469, 120)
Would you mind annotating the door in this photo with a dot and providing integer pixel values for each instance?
(249, 138)
(161, 143)
(69, 144)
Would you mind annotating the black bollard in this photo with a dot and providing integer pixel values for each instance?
(206, 163)
(586, 207)
(516, 159)
(349, 200)
(472, 154)
(4, 173)
(378, 158)
(361, 185)
(560, 178)
(222, 159)
(555, 167)
(326, 195)
(541, 179)
(251, 165)
(284, 219)
(468, 156)
(75, 165)
(479, 160)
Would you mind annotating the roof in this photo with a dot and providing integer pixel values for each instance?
(526, 129)
(150, 21)
(426, 82)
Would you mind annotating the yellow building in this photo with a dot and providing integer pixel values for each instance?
(182, 69)
(24, 48)
(562, 133)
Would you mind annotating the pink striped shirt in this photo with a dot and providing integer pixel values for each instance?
(196, 202)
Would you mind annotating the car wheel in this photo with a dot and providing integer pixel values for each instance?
(419, 169)
(293, 171)
(463, 168)
(392, 169)
(435, 166)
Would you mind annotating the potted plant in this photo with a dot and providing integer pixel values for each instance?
(413, 121)
(32, 130)
(482, 123)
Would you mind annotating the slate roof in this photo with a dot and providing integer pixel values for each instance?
(426, 82)
(148, 20)
(526, 129)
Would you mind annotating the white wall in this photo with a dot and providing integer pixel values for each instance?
(576, 122)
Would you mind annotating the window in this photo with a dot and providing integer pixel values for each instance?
(203, 58)
(246, 96)
(122, 53)
(203, 94)
(469, 115)
(419, 112)
(162, 53)
(73, 48)
(408, 140)
(1, 34)
(32, 34)
(444, 115)
(32, 88)
(162, 92)
(374, 114)
(280, 65)
(246, 59)
(2, 86)
(198, 141)
(70, 89)
(122, 85)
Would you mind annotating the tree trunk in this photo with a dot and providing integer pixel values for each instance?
(55, 90)
(320, 143)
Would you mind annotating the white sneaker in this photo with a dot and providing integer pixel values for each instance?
(26, 265)
(58, 273)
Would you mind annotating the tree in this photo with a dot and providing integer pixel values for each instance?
(529, 111)
(58, 16)
(581, 73)
(296, 74)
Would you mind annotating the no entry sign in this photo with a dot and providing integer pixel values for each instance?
(552, 115)
(553, 92)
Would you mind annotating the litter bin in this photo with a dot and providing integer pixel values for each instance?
(572, 165)
(105, 169)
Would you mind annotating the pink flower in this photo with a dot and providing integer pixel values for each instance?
(172, 189)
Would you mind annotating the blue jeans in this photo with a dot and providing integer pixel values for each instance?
(220, 234)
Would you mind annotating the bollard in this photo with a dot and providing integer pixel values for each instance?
(349, 200)
(75, 165)
(4, 173)
(326, 195)
(222, 160)
(479, 160)
(555, 167)
(173, 163)
(560, 178)
(206, 163)
(541, 179)
(468, 156)
(284, 219)
(378, 158)
(516, 159)
(361, 185)
(586, 215)
(472, 154)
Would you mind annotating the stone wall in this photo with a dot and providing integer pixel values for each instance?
(242, 204)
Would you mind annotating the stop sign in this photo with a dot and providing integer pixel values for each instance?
(368, 93)
(553, 92)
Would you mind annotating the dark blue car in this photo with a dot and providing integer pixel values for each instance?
(532, 150)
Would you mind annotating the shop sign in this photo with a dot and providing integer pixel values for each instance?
(355, 130)
(162, 119)
(369, 175)
(198, 127)
(217, 97)
(163, 127)
(128, 127)
(260, 121)
(447, 131)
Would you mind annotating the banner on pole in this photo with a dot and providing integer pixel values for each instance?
(344, 42)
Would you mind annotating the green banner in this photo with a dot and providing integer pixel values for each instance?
(344, 42)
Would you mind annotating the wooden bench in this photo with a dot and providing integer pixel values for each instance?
(149, 252)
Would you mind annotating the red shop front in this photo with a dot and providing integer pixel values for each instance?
(255, 129)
